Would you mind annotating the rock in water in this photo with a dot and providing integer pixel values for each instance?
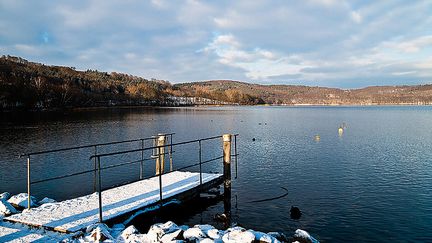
(304, 237)
(295, 212)
(176, 235)
(5, 196)
(264, 238)
(207, 240)
(99, 233)
(156, 231)
(279, 236)
(221, 217)
(6, 208)
(238, 234)
(192, 234)
(46, 200)
(20, 201)
(215, 234)
(131, 230)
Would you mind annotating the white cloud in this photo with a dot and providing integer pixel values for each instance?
(27, 49)
(257, 63)
(410, 46)
(319, 42)
(403, 73)
(356, 17)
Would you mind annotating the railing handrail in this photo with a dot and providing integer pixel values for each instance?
(159, 160)
(90, 145)
(156, 147)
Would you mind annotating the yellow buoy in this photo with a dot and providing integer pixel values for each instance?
(317, 137)
(340, 131)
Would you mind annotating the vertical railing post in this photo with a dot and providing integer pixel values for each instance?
(227, 175)
(170, 153)
(99, 189)
(142, 159)
(95, 169)
(160, 175)
(28, 183)
(200, 161)
(235, 156)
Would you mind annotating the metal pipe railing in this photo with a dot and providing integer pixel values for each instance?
(29, 182)
(156, 147)
(98, 168)
(88, 146)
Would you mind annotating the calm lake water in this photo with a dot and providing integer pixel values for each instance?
(373, 183)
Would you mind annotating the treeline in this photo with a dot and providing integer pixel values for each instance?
(306, 95)
(28, 85)
(34, 86)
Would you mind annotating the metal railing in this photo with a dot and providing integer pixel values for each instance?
(157, 153)
(95, 146)
(160, 173)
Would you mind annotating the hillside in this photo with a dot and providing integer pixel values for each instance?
(33, 86)
(297, 94)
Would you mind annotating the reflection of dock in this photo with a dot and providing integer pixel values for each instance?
(78, 213)
(143, 195)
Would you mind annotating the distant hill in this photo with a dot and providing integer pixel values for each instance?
(33, 86)
(303, 95)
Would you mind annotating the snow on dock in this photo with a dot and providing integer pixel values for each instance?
(78, 213)
(17, 233)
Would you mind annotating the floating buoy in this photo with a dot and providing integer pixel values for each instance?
(340, 131)
(253, 139)
(317, 137)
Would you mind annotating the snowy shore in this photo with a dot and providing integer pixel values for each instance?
(161, 232)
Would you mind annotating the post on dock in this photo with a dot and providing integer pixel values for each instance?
(142, 160)
(160, 159)
(170, 153)
(28, 183)
(99, 189)
(227, 173)
(95, 169)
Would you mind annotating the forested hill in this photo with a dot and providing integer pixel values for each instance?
(306, 95)
(33, 86)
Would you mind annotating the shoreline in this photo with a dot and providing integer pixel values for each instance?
(101, 108)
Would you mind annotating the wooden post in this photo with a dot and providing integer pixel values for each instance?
(227, 175)
(227, 160)
(160, 159)
(28, 183)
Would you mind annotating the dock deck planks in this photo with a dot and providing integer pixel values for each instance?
(76, 214)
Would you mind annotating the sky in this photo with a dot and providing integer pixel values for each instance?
(333, 43)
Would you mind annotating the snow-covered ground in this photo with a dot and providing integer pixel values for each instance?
(170, 232)
(78, 213)
(19, 233)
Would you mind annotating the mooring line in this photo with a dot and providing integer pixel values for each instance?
(273, 198)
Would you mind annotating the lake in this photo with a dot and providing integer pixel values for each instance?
(372, 183)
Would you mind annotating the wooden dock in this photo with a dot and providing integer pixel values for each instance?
(76, 214)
